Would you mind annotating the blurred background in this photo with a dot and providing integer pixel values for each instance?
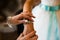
(14, 34)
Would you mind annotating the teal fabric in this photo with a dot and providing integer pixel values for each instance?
(53, 20)
(50, 8)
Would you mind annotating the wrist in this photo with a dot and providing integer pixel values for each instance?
(26, 11)
(28, 28)
(9, 21)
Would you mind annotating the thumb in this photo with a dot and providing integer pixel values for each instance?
(21, 35)
(21, 21)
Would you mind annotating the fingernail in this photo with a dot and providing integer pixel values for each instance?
(26, 20)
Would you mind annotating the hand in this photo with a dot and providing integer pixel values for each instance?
(27, 15)
(30, 36)
(24, 15)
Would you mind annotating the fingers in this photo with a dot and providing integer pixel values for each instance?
(30, 34)
(29, 14)
(25, 15)
(29, 18)
(21, 21)
(20, 36)
(34, 38)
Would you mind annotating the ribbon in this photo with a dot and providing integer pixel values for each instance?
(53, 20)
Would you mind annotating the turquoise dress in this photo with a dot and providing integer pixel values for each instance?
(46, 23)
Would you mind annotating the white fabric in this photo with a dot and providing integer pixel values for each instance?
(49, 2)
(41, 23)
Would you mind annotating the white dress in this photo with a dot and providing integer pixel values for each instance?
(41, 22)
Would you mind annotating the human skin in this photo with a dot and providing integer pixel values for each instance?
(28, 36)
(28, 7)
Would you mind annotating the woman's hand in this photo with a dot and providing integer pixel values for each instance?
(28, 15)
(24, 15)
(30, 36)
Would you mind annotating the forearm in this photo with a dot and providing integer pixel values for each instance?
(28, 5)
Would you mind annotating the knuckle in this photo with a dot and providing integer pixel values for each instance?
(36, 36)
